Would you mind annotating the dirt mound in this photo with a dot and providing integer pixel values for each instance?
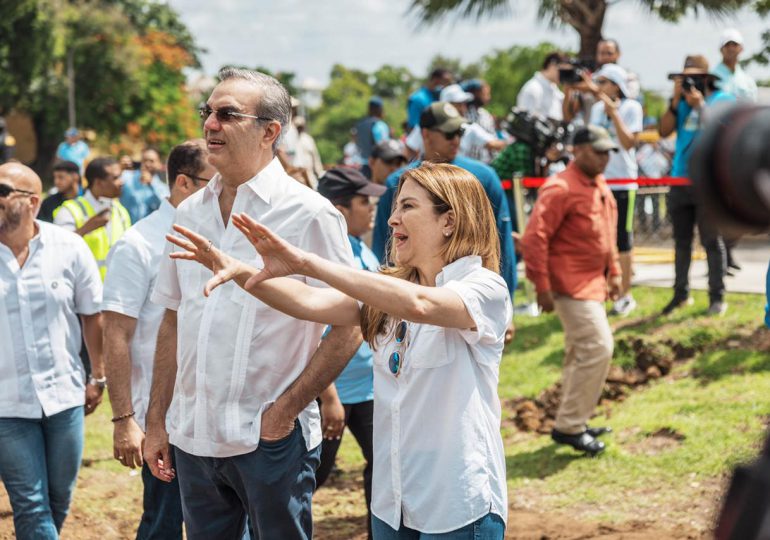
(652, 360)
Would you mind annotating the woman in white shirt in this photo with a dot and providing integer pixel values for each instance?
(436, 321)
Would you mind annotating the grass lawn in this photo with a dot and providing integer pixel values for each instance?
(674, 443)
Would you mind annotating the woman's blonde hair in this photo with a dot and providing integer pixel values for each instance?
(475, 232)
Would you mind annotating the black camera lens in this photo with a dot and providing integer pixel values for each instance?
(730, 168)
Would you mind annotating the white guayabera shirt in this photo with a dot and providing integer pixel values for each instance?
(40, 367)
(132, 268)
(236, 355)
(439, 462)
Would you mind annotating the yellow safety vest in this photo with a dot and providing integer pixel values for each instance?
(98, 241)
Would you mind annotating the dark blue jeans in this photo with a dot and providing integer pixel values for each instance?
(162, 507)
(273, 486)
(489, 527)
(39, 463)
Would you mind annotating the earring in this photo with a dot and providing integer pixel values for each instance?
(447, 234)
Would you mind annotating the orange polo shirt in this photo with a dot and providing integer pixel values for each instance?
(570, 241)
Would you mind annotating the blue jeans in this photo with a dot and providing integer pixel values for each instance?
(273, 486)
(489, 527)
(39, 463)
(162, 507)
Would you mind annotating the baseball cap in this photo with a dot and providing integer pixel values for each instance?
(455, 94)
(389, 150)
(375, 101)
(598, 137)
(340, 182)
(730, 34)
(472, 84)
(614, 73)
(71, 132)
(442, 117)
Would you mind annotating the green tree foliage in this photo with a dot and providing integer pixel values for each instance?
(585, 16)
(128, 58)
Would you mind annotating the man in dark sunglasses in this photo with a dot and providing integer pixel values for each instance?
(441, 126)
(48, 281)
(238, 379)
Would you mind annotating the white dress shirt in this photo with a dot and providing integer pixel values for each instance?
(40, 367)
(64, 217)
(132, 268)
(439, 460)
(541, 96)
(235, 355)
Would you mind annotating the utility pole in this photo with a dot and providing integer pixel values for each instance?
(71, 87)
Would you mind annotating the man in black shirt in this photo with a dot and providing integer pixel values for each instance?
(66, 178)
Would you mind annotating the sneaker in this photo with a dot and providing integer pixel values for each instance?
(717, 308)
(623, 306)
(675, 303)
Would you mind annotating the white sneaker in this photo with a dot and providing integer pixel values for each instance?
(623, 306)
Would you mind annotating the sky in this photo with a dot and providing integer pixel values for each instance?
(309, 36)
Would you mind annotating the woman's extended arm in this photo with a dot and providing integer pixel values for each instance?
(397, 297)
(292, 297)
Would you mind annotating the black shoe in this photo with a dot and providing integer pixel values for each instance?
(598, 431)
(675, 303)
(585, 442)
(734, 265)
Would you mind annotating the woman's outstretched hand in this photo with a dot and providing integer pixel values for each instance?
(279, 257)
(198, 248)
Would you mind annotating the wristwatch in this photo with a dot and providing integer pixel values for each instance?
(101, 383)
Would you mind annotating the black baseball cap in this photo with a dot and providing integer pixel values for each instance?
(341, 182)
(389, 150)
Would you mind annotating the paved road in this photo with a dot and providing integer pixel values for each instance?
(752, 254)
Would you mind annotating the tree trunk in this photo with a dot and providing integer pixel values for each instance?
(587, 18)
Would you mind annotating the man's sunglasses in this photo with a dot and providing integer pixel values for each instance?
(452, 135)
(396, 360)
(198, 178)
(6, 190)
(226, 115)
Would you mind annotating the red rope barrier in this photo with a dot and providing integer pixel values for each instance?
(532, 182)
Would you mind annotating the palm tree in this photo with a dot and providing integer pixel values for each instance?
(585, 16)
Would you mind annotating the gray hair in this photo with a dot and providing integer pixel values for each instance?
(274, 102)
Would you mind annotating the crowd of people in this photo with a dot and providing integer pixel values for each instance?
(242, 305)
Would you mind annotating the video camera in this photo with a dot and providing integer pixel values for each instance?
(572, 73)
(537, 132)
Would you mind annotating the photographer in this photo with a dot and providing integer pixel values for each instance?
(541, 94)
(622, 117)
(695, 94)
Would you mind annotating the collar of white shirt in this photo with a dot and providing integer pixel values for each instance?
(458, 269)
(262, 184)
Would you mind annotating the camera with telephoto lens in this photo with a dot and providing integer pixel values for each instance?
(537, 132)
(572, 74)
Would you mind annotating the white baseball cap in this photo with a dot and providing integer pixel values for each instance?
(455, 94)
(614, 73)
(731, 34)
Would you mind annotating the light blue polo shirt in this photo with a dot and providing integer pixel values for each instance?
(356, 382)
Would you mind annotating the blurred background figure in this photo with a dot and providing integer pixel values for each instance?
(73, 148)
(144, 188)
(66, 181)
